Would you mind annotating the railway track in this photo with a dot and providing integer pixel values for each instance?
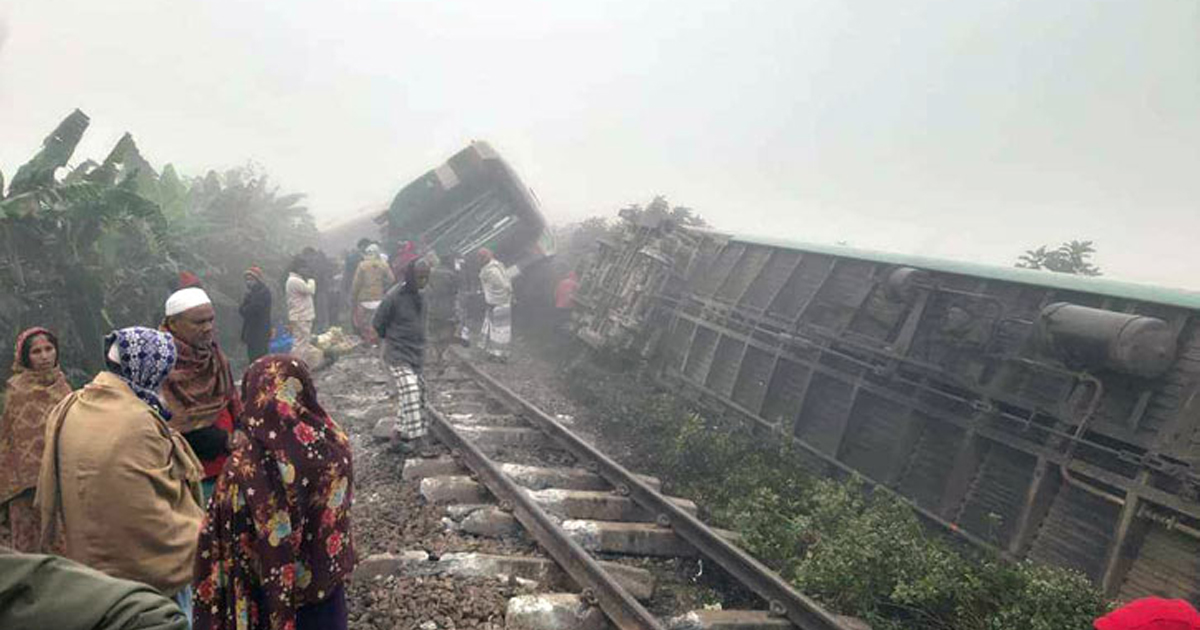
(513, 467)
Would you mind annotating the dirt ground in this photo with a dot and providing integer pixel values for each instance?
(537, 372)
(390, 517)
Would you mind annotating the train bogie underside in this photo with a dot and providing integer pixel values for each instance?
(1047, 416)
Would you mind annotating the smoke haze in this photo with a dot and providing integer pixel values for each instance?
(958, 129)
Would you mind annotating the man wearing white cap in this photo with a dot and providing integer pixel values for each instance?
(200, 391)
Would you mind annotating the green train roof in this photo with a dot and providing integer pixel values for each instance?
(1067, 282)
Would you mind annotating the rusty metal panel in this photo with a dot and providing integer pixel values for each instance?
(877, 426)
(840, 297)
(700, 355)
(879, 316)
(725, 366)
(707, 252)
(772, 278)
(928, 468)
(1165, 424)
(719, 270)
(801, 286)
(826, 409)
(751, 385)
(1077, 532)
(786, 393)
(677, 344)
(993, 506)
(1166, 566)
(743, 273)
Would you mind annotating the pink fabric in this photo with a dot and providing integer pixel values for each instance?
(1151, 613)
(564, 295)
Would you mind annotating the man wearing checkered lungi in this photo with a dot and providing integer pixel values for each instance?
(400, 322)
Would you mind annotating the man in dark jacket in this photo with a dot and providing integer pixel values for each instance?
(400, 322)
(353, 258)
(442, 298)
(256, 314)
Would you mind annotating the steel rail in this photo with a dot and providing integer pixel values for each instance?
(598, 586)
(783, 600)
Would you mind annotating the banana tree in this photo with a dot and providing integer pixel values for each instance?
(67, 244)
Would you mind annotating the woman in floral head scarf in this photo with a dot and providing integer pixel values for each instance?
(36, 385)
(142, 358)
(275, 549)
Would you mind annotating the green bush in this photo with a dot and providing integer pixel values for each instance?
(869, 556)
(858, 552)
(1048, 598)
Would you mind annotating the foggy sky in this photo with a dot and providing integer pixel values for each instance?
(958, 129)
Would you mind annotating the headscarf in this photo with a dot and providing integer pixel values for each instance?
(31, 393)
(144, 359)
(257, 274)
(1151, 613)
(410, 279)
(199, 387)
(277, 535)
(407, 253)
(188, 279)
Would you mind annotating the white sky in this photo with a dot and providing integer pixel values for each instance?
(964, 129)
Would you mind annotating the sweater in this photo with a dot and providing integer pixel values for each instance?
(300, 298)
(400, 322)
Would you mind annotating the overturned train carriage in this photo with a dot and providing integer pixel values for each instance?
(475, 199)
(1053, 417)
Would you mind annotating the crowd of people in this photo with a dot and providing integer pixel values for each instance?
(163, 484)
(164, 495)
(175, 497)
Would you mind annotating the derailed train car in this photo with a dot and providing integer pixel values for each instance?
(1053, 417)
(475, 199)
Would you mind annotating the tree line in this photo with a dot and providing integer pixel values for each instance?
(87, 247)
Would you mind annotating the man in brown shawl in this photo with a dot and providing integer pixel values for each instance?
(199, 391)
(36, 386)
(118, 488)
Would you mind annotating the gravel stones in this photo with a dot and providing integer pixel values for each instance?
(437, 602)
(390, 517)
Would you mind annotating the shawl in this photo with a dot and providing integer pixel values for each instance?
(199, 387)
(277, 535)
(144, 359)
(31, 393)
(405, 254)
(497, 288)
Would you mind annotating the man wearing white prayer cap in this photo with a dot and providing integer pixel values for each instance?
(200, 391)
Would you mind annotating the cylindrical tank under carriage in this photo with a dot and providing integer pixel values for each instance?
(1096, 338)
